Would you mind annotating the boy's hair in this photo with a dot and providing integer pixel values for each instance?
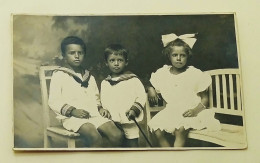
(72, 40)
(178, 42)
(116, 49)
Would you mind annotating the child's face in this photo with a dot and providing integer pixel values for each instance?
(74, 55)
(116, 64)
(178, 57)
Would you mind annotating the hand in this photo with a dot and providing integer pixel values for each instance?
(190, 113)
(130, 114)
(80, 113)
(152, 96)
(104, 113)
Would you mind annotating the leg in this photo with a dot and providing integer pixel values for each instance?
(47, 141)
(131, 135)
(71, 143)
(180, 137)
(162, 139)
(152, 137)
(91, 135)
(112, 135)
(131, 143)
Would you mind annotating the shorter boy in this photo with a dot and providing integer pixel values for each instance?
(74, 96)
(122, 94)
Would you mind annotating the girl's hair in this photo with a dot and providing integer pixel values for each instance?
(72, 40)
(115, 49)
(178, 42)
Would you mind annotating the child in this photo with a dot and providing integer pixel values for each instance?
(74, 97)
(122, 94)
(184, 88)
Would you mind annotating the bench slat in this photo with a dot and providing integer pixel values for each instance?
(228, 111)
(210, 96)
(231, 92)
(229, 135)
(238, 93)
(224, 84)
(223, 71)
(217, 91)
(62, 131)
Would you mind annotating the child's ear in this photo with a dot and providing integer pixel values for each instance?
(126, 63)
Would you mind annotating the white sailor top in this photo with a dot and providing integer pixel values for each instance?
(119, 94)
(69, 89)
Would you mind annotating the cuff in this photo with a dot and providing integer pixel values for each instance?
(66, 110)
(137, 108)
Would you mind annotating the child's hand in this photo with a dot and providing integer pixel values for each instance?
(80, 113)
(152, 96)
(130, 114)
(190, 113)
(104, 113)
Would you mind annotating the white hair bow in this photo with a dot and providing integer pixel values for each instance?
(187, 38)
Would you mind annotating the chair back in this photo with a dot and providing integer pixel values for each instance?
(225, 91)
(45, 75)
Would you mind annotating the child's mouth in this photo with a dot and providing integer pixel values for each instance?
(116, 69)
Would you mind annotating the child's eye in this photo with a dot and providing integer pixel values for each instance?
(174, 55)
(183, 55)
(72, 52)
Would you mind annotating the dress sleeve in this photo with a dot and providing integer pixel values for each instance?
(56, 102)
(155, 79)
(204, 82)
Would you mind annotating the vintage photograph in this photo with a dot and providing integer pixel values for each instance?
(127, 82)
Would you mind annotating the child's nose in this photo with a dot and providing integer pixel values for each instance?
(116, 62)
(178, 58)
(76, 55)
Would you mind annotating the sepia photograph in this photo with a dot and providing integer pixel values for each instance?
(127, 82)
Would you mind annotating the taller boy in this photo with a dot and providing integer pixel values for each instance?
(122, 94)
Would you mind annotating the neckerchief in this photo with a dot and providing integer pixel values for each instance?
(122, 77)
(83, 81)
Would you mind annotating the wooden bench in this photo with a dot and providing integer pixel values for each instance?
(225, 98)
(52, 130)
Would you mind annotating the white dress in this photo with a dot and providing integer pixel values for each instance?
(66, 91)
(181, 93)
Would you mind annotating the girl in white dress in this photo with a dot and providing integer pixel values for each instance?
(184, 88)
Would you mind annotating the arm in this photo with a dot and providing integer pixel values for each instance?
(201, 106)
(204, 81)
(153, 96)
(56, 101)
(103, 112)
(140, 100)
